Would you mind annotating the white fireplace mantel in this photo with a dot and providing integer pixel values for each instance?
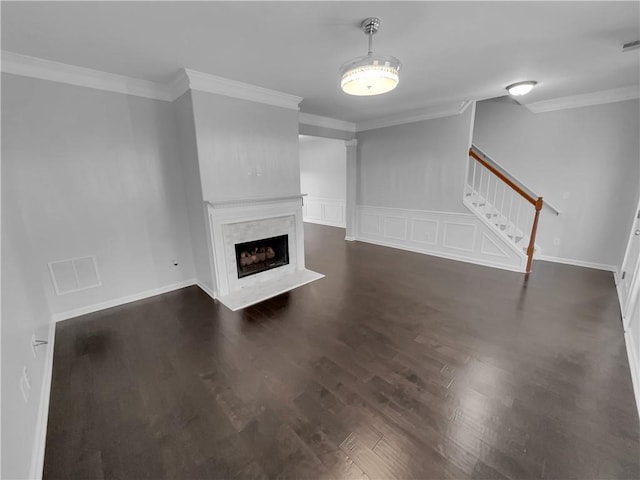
(236, 221)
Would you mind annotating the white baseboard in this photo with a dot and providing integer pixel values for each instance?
(350, 239)
(37, 459)
(448, 256)
(633, 366)
(58, 317)
(577, 263)
(323, 222)
(37, 456)
(206, 289)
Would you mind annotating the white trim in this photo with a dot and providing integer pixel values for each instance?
(206, 289)
(635, 374)
(428, 113)
(251, 201)
(324, 207)
(502, 233)
(37, 456)
(351, 143)
(326, 122)
(205, 82)
(58, 317)
(596, 98)
(448, 256)
(42, 69)
(230, 224)
(577, 263)
(433, 241)
(323, 222)
(178, 85)
(350, 239)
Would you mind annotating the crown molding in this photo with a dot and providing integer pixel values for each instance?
(178, 85)
(34, 67)
(428, 113)
(596, 98)
(204, 82)
(186, 79)
(351, 143)
(326, 122)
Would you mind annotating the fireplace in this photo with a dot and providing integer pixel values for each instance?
(261, 255)
(269, 228)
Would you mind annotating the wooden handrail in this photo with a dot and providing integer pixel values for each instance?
(503, 177)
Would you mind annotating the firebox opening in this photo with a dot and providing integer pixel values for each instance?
(260, 255)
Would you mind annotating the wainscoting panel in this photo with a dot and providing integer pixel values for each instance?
(325, 211)
(424, 231)
(458, 236)
(395, 227)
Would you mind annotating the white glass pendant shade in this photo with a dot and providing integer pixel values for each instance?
(370, 75)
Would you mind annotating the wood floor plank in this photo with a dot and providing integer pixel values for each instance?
(396, 365)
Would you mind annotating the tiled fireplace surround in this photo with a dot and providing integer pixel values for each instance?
(237, 221)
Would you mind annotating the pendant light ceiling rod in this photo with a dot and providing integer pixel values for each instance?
(370, 27)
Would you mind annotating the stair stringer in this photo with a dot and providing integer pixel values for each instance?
(498, 237)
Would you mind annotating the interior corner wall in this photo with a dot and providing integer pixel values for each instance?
(97, 173)
(245, 149)
(24, 313)
(195, 206)
(323, 168)
(586, 161)
(419, 166)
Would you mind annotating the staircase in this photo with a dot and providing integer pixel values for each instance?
(504, 204)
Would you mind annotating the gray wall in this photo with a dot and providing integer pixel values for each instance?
(415, 166)
(245, 149)
(590, 153)
(85, 172)
(24, 312)
(99, 174)
(196, 208)
(323, 168)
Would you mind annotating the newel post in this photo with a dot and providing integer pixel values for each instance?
(532, 239)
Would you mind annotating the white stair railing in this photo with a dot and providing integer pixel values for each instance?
(502, 203)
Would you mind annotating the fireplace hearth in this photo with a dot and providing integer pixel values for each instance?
(261, 255)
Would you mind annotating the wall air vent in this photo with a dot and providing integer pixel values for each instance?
(75, 274)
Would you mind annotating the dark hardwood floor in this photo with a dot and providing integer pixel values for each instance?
(396, 365)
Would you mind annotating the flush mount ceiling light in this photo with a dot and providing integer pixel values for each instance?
(372, 74)
(521, 88)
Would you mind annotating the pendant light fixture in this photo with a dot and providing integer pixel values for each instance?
(372, 74)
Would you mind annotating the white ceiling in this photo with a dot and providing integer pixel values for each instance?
(451, 51)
